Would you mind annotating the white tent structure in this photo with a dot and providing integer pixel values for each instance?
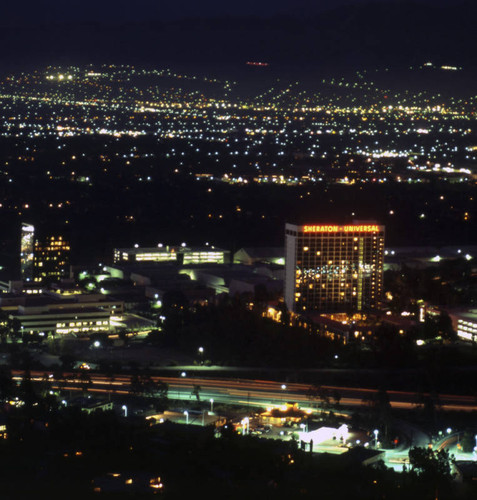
(325, 434)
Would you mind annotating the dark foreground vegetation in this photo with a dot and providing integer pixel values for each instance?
(70, 453)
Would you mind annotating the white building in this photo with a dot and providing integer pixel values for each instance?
(465, 324)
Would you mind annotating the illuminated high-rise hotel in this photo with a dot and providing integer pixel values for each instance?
(333, 268)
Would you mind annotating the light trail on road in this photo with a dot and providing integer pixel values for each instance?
(244, 391)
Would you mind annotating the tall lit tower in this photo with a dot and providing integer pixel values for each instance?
(333, 268)
(27, 245)
(43, 256)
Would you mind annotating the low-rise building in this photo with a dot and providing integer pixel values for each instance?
(254, 255)
(181, 255)
(287, 414)
(465, 324)
(60, 321)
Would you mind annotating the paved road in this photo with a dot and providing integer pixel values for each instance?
(247, 392)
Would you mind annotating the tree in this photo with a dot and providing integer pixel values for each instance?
(67, 361)
(111, 384)
(336, 397)
(431, 465)
(4, 326)
(174, 299)
(45, 385)
(148, 385)
(136, 385)
(467, 442)
(85, 381)
(324, 395)
(313, 392)
(285, 316)
(6, 384)
(445, 328)
(383, 410)
(27, 392)
(15, 328)
(162, 389)
(196, 392)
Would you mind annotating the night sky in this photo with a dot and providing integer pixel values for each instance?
(126, 10)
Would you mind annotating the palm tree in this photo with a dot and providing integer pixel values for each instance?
(195, 391)
(85, 381)
(313, 392)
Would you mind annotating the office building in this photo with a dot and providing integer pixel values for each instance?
(181, 255)
(43, 256)
(333, 268)
(27, 245)
(465, 324)
(60, 321)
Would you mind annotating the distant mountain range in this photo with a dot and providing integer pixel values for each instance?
(378, 34)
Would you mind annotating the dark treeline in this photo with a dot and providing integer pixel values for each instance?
(234, 336)
(68, 453)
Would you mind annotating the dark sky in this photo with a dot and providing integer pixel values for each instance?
(123, 10)
(381, 32)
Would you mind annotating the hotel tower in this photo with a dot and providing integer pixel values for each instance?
(333, 268)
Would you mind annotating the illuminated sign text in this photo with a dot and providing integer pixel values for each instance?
(362, 228)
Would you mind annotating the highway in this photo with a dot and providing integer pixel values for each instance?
(263, 393)
(243, 391)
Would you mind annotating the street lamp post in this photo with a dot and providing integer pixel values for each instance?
(201, 355)
(186, 413)
(125, 408)
(284, 388)
(211, 405)
(376, 432)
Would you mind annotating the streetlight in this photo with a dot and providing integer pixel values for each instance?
(125, 408)
(201, 355)
(245, 426)
(304, 426)
(376, 432)
(449, 430)
(186, 413)
(211, 405)
(284, 387)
